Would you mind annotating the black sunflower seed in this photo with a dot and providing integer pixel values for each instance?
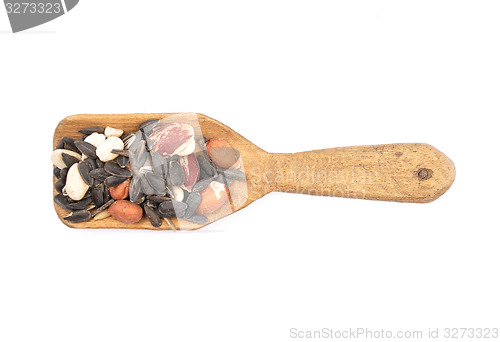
(158, 199)
(202, 184)
(57, 172)
(147, 189)
(78, 216)
(128, 139)
(197, 218)
(152, 216)
(69, 144)
(164, 168)
(97, 195)
(114, 169)
(126, 136)
(83, 137)
(124, 153)
(62, 201)
(166, 209)
(60, 144)
(156, 182)
(90, 130)
(122, 161)
(86, 148)
(149, 122)
(84, 170)
(203, 174)
(141, 155)
(107, 194)
(135, 142)
(99, 163)
(148, 125)
(156, 163)
(205, 166)
(176, 173)
(180, 208)
(64, 173)
(99, 174)
(193, 202)
(59, 185)
(79, 205)
(103, 207)
(172, 209)
(92, 163)
(135, 189)
(69, 159)
(114, 181)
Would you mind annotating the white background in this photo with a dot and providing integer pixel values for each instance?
(290, 76)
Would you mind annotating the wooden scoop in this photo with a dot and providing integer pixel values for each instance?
(408, 172)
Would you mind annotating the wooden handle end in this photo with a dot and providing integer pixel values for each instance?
(417, 173)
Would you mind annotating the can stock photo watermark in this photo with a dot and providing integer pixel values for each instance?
(462, 333)
(26, 14)
(347, 183)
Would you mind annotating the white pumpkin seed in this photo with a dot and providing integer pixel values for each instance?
(104, 150)
(57, 158)
(95, 139)
(75, 188)
(113, 132)
(102, 215)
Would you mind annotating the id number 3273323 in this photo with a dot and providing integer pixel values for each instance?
(33, 7)
(468, 333)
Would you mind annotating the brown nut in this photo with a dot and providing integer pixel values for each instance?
(223, 154)
(120, 191)
(126, 211)
(212, 198)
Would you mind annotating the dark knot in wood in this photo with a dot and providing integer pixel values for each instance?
(424, 174)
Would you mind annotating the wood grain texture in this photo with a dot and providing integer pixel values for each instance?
(417, 173)
(397, 172)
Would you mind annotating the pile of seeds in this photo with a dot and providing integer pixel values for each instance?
(163, 170)
(89, 171)
(177, 179)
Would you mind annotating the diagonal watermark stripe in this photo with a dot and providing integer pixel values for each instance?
(25, 14)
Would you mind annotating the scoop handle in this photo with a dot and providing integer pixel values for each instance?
(410, 172)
